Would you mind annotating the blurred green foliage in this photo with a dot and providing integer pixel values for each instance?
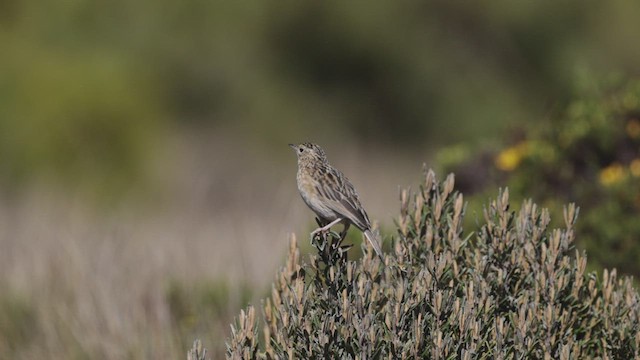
(86, 88)
(18, 323)
(588, 153)
(77, 118)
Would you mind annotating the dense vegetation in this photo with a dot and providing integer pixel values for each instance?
(589, 153)
(513, 288)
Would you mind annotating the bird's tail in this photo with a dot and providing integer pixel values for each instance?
(374, 242)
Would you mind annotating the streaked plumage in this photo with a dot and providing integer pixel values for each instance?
(329, 193)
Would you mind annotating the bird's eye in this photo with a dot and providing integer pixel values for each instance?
(300, 149)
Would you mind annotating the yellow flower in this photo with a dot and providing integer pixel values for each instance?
(635, 167)
(633, 128)
(611, 174)
(510, 158)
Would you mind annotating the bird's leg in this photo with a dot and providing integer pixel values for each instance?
(325, 228)
(343, 234)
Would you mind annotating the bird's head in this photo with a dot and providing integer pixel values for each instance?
(308, 152)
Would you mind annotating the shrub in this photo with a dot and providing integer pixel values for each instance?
(511, 289)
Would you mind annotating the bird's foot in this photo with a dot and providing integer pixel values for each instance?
(322, 236)
(324, 230)
(319, 235)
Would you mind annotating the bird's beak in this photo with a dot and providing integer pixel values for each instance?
(293, 146)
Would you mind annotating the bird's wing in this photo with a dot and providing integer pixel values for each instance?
(340, 195)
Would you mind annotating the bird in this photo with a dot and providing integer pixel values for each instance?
(330, 194)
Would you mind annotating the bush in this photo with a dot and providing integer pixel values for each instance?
(511, 289)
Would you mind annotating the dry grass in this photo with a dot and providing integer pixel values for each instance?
(90, 285)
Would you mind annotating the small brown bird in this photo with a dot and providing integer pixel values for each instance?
(330, 194)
